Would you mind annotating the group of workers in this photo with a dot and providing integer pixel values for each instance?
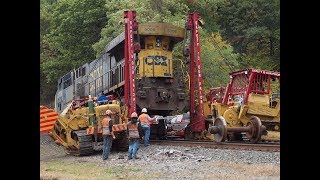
(136, 128)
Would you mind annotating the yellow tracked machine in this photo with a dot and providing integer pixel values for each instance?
(79, 127)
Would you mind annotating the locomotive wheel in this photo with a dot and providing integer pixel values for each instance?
(221, 124)
(255, 133)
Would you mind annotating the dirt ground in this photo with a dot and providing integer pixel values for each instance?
(159, 162)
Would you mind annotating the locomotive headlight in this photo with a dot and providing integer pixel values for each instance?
(158, 42)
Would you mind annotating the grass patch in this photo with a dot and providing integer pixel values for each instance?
(56, 169)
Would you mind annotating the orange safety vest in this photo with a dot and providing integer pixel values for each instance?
(105, 126)
(133, 130)
(144, 119)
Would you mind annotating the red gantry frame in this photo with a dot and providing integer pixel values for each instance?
(249, 81)
(216, 94)
(131, 47)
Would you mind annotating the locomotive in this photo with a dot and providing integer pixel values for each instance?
(156, 86)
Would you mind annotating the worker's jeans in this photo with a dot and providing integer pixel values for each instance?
(146, 130)
(133, 148)
(107, 143)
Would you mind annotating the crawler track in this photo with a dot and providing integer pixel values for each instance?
(225, 145)
(85, 144)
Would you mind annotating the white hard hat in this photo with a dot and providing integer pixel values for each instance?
(144, 110)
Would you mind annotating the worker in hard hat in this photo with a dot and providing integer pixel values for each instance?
(145, 119)
(107, 134)
(133, 134)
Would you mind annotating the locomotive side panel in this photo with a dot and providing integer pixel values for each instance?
(65, 91)
(84, 91)
(94, 80)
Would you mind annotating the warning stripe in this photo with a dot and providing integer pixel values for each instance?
(45, 129)
(48, 118)
(46, 111)
(43, 120)
(47, 123)
(90, 130)
(115, 128)
(43, 107)
(119, 127)
(50, 114)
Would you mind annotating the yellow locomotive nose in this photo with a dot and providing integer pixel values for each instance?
(157, 41)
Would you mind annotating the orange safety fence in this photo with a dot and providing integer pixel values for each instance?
(47, 119)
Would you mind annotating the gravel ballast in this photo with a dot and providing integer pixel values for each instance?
(177, 162)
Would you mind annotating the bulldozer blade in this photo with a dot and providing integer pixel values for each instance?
(47, 119)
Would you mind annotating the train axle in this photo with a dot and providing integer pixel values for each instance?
(254, 129)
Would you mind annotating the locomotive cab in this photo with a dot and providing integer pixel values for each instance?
(154, 72)
(156, 42)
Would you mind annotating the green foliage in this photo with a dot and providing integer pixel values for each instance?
(68, 29)
(208, 11)
(76, 26)
(171, 11)
(218, 60)
(275, 86)
(253, 28)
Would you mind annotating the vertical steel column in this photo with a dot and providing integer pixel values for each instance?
(131, 25)
(196, 113)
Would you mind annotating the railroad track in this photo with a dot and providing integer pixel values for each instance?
(225, 145)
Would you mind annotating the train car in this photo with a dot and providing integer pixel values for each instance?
(157, 89)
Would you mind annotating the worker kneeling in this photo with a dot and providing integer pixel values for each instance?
(133, 133)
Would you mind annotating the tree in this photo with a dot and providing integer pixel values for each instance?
(68, 28)
(171, 11)
(46, 88)
(218, 60)
(253, 28)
